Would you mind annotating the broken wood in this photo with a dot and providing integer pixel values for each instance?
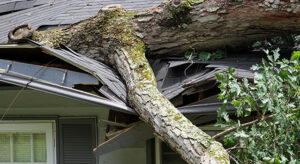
(125, 138)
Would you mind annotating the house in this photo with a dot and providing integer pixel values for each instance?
(60, 107)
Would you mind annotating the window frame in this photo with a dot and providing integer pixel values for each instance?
(47, 127)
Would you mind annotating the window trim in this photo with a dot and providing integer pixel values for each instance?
(48, 127)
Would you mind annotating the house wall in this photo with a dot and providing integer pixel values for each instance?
(40, 105)
(133, 155)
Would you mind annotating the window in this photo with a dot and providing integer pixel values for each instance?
(22, 142)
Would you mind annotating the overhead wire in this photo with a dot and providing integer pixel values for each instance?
(23, 88)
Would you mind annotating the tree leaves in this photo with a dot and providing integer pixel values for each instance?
(204, 55)
(275, 91)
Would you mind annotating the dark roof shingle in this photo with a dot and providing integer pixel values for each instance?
(62, 12)
(14, 5)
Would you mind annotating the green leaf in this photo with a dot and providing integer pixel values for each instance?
(276, 54)
(229, 142)
(219, 77)
(241, 134)
(219, 54)
(236, 102)
(256, 44)
(230, 70)
(270, 57)
(204, 56)
(266, 51)
(295, 55)
(256, 67)
(283, 73)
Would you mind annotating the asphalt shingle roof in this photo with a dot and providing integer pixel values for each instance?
(62, 12)
(14, 5)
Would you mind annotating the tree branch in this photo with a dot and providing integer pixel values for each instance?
(225, 132)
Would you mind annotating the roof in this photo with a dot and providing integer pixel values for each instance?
(105, 74)
(62, 81)
(14, 5)
(59, 12)
(175, 76)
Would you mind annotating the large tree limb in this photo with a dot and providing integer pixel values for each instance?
(175, 25)
(110, 36)
(120, 38)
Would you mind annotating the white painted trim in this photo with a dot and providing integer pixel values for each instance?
(46, 127)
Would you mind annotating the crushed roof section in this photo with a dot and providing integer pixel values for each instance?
(62, 81)
(175, 76)
(105, 74)
(63, 12)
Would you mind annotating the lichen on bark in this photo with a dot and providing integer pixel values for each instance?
(51, 38)
(179, 13)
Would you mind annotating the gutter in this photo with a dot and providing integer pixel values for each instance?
(40, 85)
(207, 108)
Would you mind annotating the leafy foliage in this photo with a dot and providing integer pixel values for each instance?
(204, 55)
(271, 104)
(286, 41)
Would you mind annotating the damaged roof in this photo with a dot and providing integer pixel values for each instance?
(55, 13)
(175, 76)
(63, 81)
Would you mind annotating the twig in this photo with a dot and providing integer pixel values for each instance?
(243, 125)
(192, 62)
(234, 147)
(231, 156)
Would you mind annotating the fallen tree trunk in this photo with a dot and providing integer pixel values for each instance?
(121, 39)
(175, 26)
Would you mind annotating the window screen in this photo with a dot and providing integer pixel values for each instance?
(23, 147)
(5, 148)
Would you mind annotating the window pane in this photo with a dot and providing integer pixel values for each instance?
(39, 148)
(22, 148)
(4, 148)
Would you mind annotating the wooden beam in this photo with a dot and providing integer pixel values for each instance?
(128, 137)
(113, 123)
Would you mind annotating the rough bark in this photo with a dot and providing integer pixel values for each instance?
(122, 38)
(175, 26)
